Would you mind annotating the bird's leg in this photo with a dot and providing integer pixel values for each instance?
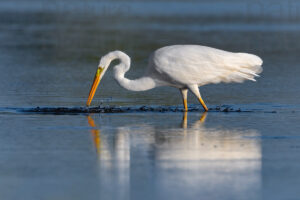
(184, 98)
(194, 89)
(202, 103)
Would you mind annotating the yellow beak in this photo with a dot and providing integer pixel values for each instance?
(94, 86)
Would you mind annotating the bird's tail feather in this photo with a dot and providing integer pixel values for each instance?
(243, 66)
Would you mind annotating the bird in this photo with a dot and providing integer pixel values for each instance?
(186, 67)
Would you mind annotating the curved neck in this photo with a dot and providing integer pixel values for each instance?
(140, 84)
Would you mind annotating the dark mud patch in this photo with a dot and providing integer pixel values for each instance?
(129, 109)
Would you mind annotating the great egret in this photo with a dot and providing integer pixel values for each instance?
(186, 67)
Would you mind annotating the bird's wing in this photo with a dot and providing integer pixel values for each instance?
(194, 64)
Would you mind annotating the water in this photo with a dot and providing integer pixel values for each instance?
(49, 52)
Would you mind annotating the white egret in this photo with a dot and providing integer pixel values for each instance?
(186, 67)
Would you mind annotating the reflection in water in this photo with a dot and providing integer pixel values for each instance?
(137, 159)
(95, 133)
(184, 119)
(113, 162)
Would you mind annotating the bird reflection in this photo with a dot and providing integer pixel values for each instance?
(208, 143)
(95, 134)
(184, 119)
(199, 142)
(113, 161)
(199, 154)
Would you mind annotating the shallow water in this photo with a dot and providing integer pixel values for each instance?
(137, 155)
(49, 51)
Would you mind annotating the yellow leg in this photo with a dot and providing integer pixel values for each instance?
(195, 90)
(184, 98)
(203, 104)
(185, 105)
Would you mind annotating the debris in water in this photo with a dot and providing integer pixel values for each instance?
(125, 109)
(132, 109)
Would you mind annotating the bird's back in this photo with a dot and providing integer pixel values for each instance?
(195, 64)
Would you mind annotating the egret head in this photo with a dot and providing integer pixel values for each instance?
(103, 66)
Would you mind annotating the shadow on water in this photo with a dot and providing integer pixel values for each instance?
(176, 162)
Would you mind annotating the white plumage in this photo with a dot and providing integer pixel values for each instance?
(185, 67)
(203, 65)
